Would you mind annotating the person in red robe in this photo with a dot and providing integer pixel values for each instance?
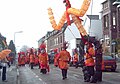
(32, 59)
(22, 58)
(43, 59)
(55, 57)
(19, 59)
(75, 58)
(63, 60)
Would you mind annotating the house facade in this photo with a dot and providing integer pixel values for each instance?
(110, 23)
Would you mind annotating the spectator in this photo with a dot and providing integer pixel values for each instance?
(4, 63)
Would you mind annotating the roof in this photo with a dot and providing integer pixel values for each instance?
(93, 17)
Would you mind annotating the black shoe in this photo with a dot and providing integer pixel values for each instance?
(86, 80)
(93, 81)
(63, 78)
(4, 80)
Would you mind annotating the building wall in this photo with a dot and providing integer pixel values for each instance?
(55, 41)
(96, 29)
(71, 32)
(109, 20)
(93, 26)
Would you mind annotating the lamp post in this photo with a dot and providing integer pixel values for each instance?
(14, 43)
(16, 33)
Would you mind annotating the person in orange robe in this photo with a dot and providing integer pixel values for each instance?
(75, 58)
(36, 59)
(23, 58)
(32, 59)
(89, 62)
(43, 59)
(55, 57)
(19, 59)
(63, 60)
(27, 58)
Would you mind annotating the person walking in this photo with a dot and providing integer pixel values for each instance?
(32, 59)
(43, 59)
(88, 68)
(4, 68)
(75, 59)
(63, 60)
(56, 54)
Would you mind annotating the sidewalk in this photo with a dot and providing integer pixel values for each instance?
(11, 76)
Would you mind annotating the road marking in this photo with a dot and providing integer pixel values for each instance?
(37, 76)
(118, 75)
(40, 79)
(108, 73)
(76, 72)
(75, 75)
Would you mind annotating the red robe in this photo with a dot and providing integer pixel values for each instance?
(43, 60)
(55, 59)
(63, 59)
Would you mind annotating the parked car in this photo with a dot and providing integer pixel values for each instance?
(109, 63)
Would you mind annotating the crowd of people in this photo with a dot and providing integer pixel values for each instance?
(61, 60)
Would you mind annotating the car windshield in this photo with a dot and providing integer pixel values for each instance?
(108, 58)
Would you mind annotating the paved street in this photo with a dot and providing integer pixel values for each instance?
(75, 76)
(11, 76)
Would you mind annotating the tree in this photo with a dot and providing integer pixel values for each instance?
(3, 43)
(12, 47)
(24, 48)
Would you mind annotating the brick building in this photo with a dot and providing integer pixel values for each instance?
(110, 23)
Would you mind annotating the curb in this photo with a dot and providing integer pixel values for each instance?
(18, 76)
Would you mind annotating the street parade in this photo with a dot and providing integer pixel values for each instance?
(61, 56)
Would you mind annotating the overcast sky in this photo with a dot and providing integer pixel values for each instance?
(30, 16)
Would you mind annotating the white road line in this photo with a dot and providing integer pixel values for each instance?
(108, 73)
(37, 76)
(40, 79)
(76, 72)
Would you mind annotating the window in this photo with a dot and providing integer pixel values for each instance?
(105, 5)
(114, 23)
(60, 39)
(57, 40)
(106, 21)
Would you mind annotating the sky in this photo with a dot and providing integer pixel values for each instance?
(31, 17)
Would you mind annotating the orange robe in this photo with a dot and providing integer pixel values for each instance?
(63, 59)
(19, 60)
(32, 58)
(55, 59)
(36, 60)
(75, 58)
(89, 61)
(43, 60)
(22, 60)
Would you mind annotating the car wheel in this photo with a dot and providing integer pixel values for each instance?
(113, 70)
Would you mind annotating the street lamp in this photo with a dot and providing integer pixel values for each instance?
(14, 44)
(16, 33)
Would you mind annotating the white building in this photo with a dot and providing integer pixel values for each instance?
(94, 26)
